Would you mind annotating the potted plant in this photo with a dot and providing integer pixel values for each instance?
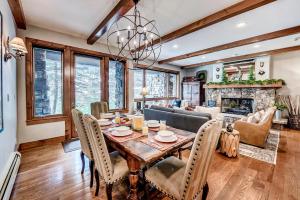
(279, 108)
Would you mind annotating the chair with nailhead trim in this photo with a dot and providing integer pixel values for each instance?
(111, 167)
(84, 142)
(99, 107)
(187, 181)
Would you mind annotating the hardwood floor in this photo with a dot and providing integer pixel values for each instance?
(49, 173)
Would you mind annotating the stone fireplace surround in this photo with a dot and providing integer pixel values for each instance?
(263, 97)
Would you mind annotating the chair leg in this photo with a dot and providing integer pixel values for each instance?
(83, 161)
(97, 182)
(147, 191)
(109, 191)
(205, 191)
(92, 172)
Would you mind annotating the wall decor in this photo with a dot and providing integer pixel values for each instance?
(1, 82)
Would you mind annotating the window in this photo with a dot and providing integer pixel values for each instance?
(87, 82)
(48, 82)
(162, 86)
(116, 85)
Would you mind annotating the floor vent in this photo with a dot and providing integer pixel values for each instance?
(9, 176)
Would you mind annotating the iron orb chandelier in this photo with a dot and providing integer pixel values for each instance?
(132, 36)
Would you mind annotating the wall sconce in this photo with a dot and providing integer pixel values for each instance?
(17, 45)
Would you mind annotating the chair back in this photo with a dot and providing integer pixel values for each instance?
(200, 158)
(101, 156)
(99, 107)
(82, 134)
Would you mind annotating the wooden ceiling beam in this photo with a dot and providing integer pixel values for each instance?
(117, 12)
(18, 13)
(244, 57)
(217, 17)
(255, 39)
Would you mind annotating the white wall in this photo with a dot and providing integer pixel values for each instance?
(50, 130)
(287, 67)
(8, 138)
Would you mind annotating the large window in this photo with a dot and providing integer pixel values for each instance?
(162, 86)
(116, 85)
(48, 82)
(87, 82)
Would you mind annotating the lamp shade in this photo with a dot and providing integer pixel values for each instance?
(144, 91)
(17, 44)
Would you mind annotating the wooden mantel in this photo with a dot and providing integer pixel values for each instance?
(217, 86)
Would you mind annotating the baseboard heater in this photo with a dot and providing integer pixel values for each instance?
(9, 176)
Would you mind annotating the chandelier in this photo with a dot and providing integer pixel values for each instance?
(132, 37)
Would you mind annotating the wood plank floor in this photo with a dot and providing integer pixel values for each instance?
(49, 173)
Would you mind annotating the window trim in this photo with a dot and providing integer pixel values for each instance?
(31, 118)
(167, 71)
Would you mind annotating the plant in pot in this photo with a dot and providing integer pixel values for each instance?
(279, 108)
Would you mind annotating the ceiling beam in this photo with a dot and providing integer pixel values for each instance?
(217, 17)
(18, 13)
(244, 57)
(255, 39)
(117, 12)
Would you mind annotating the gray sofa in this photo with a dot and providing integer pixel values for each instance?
(181, 119)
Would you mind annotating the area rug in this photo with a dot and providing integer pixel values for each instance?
(71, 145)
(269, 154)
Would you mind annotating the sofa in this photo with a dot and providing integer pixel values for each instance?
(255, 129)
(177, 118)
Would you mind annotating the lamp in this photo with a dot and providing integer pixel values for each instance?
(144, 92)
(17, 45)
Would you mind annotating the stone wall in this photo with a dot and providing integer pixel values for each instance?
(263, 98)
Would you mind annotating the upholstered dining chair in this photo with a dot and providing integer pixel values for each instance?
(187, 181)
(99, 107)
(110, 166)
(85, 144)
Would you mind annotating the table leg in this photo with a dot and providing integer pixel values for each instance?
(134, 167)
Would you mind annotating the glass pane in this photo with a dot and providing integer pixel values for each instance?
(116, 85)
(156, 84)
(172, 85)
(138, 83)
(48, 87)
(87, 82)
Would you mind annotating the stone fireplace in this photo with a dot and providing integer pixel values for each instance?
(237, 106)
(262, 98)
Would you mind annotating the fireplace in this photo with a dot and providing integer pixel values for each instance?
(238, 106)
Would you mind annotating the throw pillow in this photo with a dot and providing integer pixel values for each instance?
(257, 117)
(251, 119)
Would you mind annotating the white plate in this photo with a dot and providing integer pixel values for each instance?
(104, 122)
(121, 133)
(172, 138)
(152, 122)
(108, 115)
(165, 133)
(121, 128)
(153, 125)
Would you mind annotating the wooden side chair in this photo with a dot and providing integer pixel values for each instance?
(111, 167)
(187, 181)
(99, 107)
(85, 144)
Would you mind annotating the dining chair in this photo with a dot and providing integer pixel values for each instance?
(84, 142)
(187, 181)
(99, 107)
(111, 167)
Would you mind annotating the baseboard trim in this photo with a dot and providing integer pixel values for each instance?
(39, 143)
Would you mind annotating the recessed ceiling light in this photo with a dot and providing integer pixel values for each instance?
(241, 25)
(203, 57)
(175, 46)
(256, 46)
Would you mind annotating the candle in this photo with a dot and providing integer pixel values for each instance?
(163, 125)
(145, 130)
(137, 122)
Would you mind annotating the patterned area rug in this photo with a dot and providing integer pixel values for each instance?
(269, 154)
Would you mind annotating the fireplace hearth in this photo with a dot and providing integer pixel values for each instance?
(237, 106)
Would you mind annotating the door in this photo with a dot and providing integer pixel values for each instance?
(86, 83)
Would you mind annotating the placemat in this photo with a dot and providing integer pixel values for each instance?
(162, 145)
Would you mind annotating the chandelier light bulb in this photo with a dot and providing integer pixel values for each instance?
(128, 28)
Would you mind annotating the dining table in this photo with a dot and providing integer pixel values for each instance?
(142, 150)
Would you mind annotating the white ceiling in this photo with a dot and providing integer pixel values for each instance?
(79, 18)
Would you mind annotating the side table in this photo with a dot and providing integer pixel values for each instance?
(279, 124)
(230, 142)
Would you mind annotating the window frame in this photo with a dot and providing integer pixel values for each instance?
(30, 97)
(168, 72)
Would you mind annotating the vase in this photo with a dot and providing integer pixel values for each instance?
(278, 115)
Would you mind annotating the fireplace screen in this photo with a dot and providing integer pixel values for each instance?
(238, 106)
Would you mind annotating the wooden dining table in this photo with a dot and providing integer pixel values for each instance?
(140, 150)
